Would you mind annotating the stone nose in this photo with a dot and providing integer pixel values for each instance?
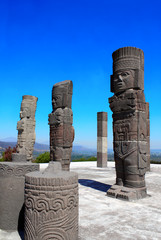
(119, 77)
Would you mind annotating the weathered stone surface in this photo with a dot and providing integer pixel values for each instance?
(62, 94)
(124, 193)
(102, 159)
(102, 139)
(26, 128)
(51, 204)
(60, 121)
(17, 157)
(127, 61)
(148, 135)
(130, 124)
(12, 178)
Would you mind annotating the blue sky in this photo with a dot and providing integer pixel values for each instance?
(44, 42)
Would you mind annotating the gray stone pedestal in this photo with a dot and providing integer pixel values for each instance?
(12, 178)
(51, 204)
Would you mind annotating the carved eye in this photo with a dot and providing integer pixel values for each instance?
(124, 74)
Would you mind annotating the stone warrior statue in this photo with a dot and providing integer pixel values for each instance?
(60, 121)
(26, 127)
(129, 123)
(12, 174)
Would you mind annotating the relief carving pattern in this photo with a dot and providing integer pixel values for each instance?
(17, 170)
(51, 205)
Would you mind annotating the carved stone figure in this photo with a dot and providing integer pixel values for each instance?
(129, 123)
(101, 139)
(26, 128)
(51, 204)
(12, 174)
(60, 121)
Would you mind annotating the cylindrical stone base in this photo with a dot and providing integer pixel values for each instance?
(12, 178)
(51, 205)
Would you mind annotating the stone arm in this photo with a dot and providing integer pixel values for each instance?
(21, 125)
(126, 101)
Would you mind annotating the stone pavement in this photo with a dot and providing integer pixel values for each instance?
(104, 218)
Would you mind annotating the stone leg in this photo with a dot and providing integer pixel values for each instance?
(119, 171)
(133, 176)
(62, 155)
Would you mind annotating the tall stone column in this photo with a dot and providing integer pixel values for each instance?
(148, 136)
(60, 121)
(129, 124)
(51, 204)
(102, 139)
(12, 174)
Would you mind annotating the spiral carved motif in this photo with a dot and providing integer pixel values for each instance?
(17, 170)
(48, 214)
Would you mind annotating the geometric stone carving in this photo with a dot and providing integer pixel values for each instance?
(130, 138)
(12, 178)
(60, 121)
(51, 204)
(26, 128)
(101, 139)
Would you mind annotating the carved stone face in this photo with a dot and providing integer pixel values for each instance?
(57, 100)
(25, 112)
(123, 80)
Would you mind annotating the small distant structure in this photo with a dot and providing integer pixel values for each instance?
(101, 139)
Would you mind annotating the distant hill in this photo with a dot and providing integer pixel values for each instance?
(81, 149)
(77, 149)
(37, 146)
(41, 147)
(4, 145)
(9, 139)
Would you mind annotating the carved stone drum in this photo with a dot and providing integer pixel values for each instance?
(51, 205)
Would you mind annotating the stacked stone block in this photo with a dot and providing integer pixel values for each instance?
(51, 204)
(102, 139)
(60, 121)
(129, 124)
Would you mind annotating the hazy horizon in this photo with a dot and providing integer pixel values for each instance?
(12, 139)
